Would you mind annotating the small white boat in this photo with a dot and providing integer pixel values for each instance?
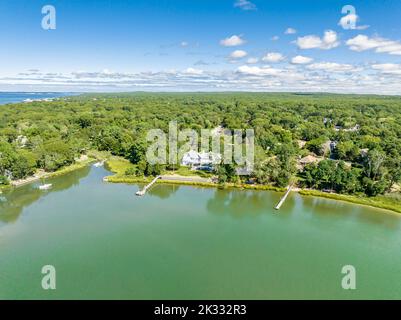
(45, 186)
(99, 164)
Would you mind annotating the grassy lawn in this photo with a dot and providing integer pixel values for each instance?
(118, 165)
(186, 172)
(390, 202)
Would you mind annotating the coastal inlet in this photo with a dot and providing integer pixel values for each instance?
(186, 242)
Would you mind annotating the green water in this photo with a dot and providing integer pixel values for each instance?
(181, 242)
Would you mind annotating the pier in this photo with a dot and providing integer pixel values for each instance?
(284, 198)
(143, 191)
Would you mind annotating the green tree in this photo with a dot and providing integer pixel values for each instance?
(316, 145)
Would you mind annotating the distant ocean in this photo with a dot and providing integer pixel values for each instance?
(14, 97)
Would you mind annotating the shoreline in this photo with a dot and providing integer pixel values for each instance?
(46, 175)
(369, 202)
(187, 181)
(362, 201)
(377, 203)
(30, 96)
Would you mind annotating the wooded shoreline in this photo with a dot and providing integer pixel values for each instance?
(346, 146)
(118, 177)
(379, 203)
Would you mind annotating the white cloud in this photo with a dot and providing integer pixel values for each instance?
(301, 60)
(273, 57)
(275, 38)
(232, 41)
(378, 78)
(238, 54)
(329, 41)
(184, 44)
(290, 31)
(281, 75)
(259, 71)
(245, 5)
(380, 45)
(388, 68)
(331, 67)
(193, 71)
(349, 22)
(252, 60)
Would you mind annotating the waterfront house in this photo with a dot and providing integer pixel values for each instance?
(200, 160)
(190, 158)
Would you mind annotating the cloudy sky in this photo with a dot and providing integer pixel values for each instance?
(202, 45)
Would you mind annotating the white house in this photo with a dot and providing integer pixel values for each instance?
(200, 159)
(190, 158)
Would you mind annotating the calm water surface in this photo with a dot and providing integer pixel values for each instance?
(14, 97)
(181, 242)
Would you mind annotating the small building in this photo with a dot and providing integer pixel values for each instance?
(333, 145)
(309, 159)
(353, 129)
(338, 128)
(22, 141)
(364, 152)
(329, 147)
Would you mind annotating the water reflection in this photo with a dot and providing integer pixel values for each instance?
(163, 191)
(241, 203)
(340, 210)
(14, 201)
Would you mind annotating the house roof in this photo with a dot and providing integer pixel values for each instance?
(309, 159)
(203, 157)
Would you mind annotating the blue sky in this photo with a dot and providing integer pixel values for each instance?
(201, 45)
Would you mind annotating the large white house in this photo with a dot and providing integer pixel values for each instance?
(200, 159)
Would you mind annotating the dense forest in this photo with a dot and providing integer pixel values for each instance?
(356, 139)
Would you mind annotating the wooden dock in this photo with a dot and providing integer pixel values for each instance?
(146, 188)
(284, 198)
